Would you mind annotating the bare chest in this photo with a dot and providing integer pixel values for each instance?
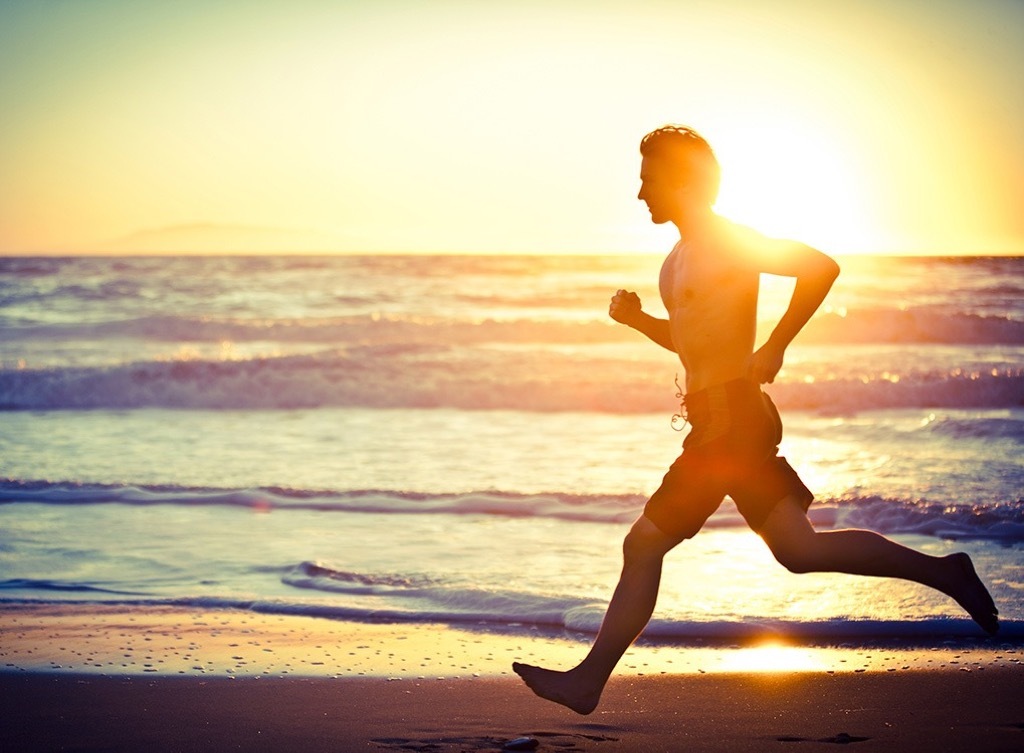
(695, 280)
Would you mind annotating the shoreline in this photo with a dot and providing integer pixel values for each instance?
(76, 677)
(120, 640)
(124, 640)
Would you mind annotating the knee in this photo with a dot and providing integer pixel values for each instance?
(795, 559)
(643, 544)
(632, 546)
(795, 563)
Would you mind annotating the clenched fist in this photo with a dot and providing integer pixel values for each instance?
(625, 307)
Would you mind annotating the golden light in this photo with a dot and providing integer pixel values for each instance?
(771, 657)
(497, 127)
(792, 178)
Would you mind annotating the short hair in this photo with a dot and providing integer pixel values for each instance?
(688, 157)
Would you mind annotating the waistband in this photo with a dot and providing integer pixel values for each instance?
(716, 400)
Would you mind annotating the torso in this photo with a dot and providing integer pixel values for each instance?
(711, 299)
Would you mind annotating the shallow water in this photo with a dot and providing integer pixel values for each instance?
(467, 439)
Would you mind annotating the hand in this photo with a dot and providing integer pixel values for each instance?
(764, 365)
(625, 307)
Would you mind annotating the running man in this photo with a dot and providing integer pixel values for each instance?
(709, 285)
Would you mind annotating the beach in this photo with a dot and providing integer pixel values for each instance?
(348, 351)
(103, 678)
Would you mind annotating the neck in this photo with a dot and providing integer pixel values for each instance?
(693, 220)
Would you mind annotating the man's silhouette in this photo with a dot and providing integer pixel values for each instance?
(709, 285)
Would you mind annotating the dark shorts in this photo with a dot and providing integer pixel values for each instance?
(731, 449)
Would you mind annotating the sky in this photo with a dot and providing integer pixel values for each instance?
(870, 126)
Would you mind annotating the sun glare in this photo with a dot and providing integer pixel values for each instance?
(770, 657)
(790, 180)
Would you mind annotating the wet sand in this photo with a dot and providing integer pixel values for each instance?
(107, 678)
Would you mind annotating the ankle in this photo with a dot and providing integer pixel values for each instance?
(591, 673)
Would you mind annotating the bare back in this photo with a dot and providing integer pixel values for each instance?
(711, 298)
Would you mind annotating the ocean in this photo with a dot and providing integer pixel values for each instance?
(466, 439)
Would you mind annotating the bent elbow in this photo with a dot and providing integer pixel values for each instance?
(829, 269)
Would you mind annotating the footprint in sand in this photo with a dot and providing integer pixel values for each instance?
(842, 738)
(563, 741)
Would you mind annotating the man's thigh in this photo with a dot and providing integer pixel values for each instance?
(690, 492)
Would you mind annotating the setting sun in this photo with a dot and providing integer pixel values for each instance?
(792, 180)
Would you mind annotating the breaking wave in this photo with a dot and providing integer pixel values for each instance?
(865, 326)
(420, 376)
(1001, 521)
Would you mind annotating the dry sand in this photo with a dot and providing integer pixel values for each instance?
(114, 679)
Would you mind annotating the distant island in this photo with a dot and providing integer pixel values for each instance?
(214, 238)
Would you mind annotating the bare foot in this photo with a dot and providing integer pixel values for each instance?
(966, 587)
(560, 687)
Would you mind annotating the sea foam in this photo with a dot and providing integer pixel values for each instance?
(1001, 521)
(415, 376)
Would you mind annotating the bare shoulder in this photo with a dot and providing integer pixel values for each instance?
(745, 245)
(778, 256)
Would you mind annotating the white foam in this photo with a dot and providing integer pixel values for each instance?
(417, 376)
(1001, 521)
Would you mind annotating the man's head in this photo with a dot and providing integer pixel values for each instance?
(679, 171)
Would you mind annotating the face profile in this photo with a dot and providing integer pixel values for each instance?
(659, 190)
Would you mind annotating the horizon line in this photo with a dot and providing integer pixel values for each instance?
(63, 254)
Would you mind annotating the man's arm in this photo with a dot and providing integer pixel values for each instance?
(814, 272)
(625, 309)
